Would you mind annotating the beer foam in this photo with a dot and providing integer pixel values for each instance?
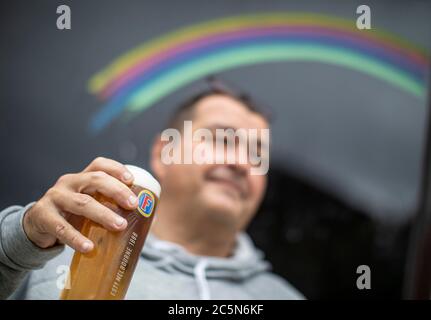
(144, 179)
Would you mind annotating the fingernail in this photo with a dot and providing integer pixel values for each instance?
(133, 200)
(127, 176)
(119, 221)
(87, 246)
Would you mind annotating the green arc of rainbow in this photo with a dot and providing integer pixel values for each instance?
(244, 56)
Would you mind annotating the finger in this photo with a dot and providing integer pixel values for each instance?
(57, 226)
(101, 182)
(84, 205)
(111, 167)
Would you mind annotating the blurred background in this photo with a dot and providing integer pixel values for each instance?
(350, 113)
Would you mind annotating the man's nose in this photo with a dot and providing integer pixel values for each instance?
(237, 160)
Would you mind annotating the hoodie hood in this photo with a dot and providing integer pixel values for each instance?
(246, 261)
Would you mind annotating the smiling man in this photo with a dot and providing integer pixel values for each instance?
(197, 247)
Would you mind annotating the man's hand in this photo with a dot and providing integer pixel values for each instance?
(70, 200)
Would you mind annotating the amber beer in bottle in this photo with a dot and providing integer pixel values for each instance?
(105, 272)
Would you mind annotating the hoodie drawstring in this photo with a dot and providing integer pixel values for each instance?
(201, 280)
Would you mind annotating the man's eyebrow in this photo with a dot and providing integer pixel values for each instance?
(215, 126)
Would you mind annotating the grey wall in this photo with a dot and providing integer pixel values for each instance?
(346, 132)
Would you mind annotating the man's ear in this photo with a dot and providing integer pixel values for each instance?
(156, 163)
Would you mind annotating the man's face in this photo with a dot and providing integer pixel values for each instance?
(227, 193)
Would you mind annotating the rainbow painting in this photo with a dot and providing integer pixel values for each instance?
(142, 76)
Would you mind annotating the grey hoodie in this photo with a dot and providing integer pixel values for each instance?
(165, 270)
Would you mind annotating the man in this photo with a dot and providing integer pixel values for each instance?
(197, 247)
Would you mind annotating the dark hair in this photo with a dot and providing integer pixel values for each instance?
(214, 86)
